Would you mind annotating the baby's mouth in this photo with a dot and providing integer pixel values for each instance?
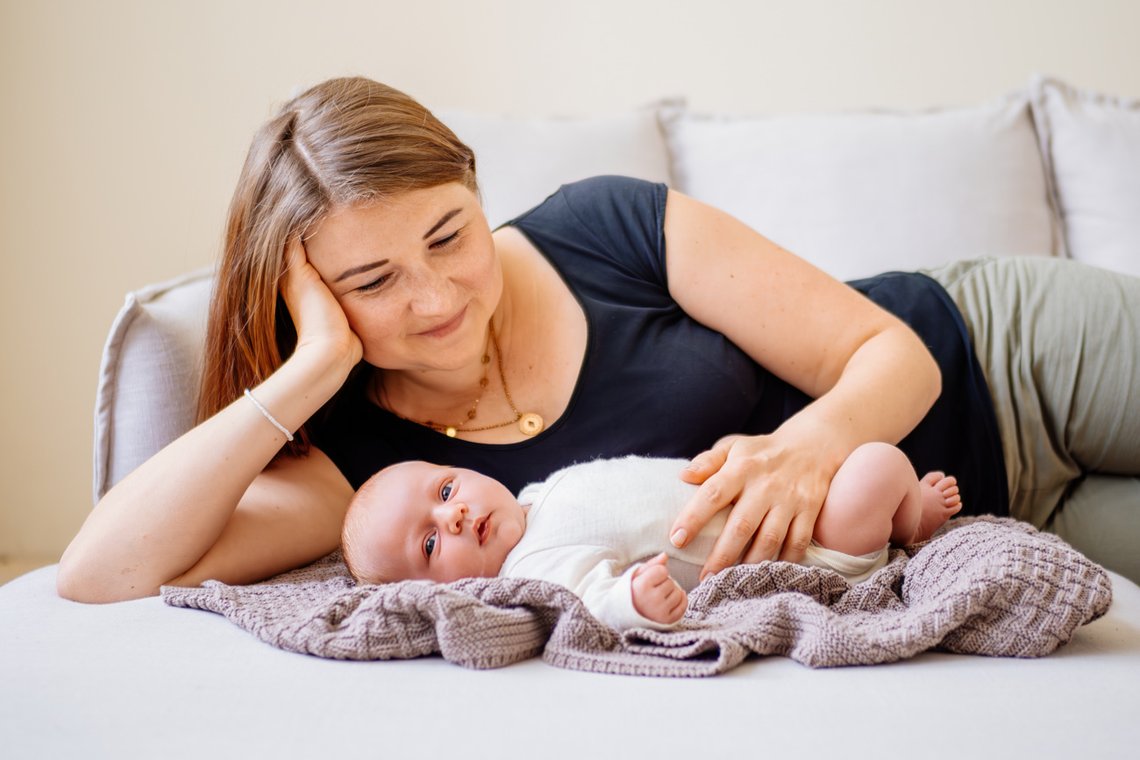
(482, 528)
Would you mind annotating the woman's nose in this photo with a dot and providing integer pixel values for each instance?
(452, 514)
(430, 294)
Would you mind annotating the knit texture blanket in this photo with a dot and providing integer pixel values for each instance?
(984, 586)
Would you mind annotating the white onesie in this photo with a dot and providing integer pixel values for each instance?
(590, 525)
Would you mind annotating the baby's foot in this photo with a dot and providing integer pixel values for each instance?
(940, 501)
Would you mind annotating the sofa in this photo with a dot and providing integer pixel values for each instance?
(1048, 170)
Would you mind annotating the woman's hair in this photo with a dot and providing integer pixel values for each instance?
(341, 143)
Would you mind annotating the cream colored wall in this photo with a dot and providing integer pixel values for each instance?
(124, 124)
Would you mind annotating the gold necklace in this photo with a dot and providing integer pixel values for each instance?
(530, 423)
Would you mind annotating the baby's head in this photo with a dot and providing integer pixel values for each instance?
(421, 520)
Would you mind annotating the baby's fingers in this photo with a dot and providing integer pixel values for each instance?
(650, 576)
(679, 606)
(658, 561)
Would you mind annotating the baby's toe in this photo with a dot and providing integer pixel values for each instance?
(933, 478)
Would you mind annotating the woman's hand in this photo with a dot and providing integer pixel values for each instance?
(320, 322)
(775, 489)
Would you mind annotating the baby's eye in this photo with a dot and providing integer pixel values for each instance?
(429, 545)
(445, 491)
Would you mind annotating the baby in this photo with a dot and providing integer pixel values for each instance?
(598, 528)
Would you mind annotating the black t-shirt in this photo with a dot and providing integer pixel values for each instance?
(657, 383)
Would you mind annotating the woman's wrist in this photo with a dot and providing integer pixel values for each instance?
(302, 385)
(327, 366)
(830, 444)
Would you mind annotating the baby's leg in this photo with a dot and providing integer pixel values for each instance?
(876, 498)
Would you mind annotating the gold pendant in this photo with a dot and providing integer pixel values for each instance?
(450, 431)
(530, 424)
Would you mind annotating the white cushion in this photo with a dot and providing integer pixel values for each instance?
(148, 381)
(522, 161)
(865, 192)
(1092, 142)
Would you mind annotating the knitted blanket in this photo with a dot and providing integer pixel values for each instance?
(985, 586)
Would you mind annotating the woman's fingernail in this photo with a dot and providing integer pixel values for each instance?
(679, 537)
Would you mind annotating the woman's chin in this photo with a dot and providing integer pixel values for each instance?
(444, 361)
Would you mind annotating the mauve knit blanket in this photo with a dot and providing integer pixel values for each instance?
(985, 586)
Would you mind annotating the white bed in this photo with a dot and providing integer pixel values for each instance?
(142, 679)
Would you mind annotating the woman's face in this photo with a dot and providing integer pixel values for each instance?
(416, 275)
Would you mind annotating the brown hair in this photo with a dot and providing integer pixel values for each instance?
(343, 142)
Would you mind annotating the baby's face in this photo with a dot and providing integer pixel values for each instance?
(438, 523)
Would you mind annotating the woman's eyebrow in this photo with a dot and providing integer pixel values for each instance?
(358, 270)
(442, 221)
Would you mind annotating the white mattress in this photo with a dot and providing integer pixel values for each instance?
(140, 679)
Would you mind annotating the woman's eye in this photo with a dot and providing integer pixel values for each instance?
(447, 240)
(374, 285)
(445, 491)
(429, 545)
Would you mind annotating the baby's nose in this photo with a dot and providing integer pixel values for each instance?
(454, 514)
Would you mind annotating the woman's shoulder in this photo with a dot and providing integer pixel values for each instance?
(601, 223)
(610, 186)
(602, 198)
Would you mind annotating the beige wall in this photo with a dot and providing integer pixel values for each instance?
(124, 124)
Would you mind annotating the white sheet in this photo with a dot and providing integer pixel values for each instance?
(140, 679)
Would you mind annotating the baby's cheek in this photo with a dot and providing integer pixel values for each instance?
(514, 533)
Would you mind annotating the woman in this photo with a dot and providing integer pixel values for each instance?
(615, 318)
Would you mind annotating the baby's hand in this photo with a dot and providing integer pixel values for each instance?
(656, 595)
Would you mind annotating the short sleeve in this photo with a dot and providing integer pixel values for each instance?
(620, 216)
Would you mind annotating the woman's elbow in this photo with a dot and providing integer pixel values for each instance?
(78, 589)
(70, 586)
(71, 582)
(69, 576)
(77, 581)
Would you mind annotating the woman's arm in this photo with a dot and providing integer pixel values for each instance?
(870, 375)
(206, 506)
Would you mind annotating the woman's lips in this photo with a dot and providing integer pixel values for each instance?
(448, 327)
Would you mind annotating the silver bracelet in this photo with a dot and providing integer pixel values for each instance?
(272, 420)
